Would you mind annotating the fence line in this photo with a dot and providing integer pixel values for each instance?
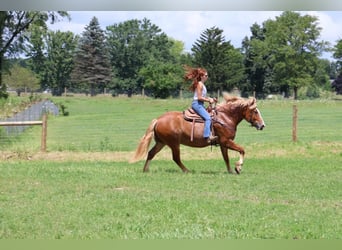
(33, 113)
(118, 124)
(43, 123)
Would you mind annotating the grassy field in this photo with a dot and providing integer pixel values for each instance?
(83, 187)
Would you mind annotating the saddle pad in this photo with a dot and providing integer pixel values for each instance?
(191, 115)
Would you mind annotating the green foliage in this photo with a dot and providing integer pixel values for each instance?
(63, 109)
(21, 79)
(13, 25)
(14, 104)
(162, 78)
(91, 63)
(337, 84)
(143, 56)
(223, 63)
(281, 56)
(289, 47)
(51, 56)
(338, 54)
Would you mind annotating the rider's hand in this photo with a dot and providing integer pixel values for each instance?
(211, 100)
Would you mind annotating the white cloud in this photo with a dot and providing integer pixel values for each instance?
(331, 23)
(187, 26)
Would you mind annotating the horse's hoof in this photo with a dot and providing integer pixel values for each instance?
(237, 171)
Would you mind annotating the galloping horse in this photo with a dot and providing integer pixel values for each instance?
(172, 129)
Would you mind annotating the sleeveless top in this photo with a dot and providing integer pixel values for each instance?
(203, 94)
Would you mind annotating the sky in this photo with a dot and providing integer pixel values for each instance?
(187, 26)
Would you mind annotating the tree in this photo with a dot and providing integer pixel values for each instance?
(338, 55)
(293, 49)
(163, 78)
(92, 66)
(13, 25)
(223, 63)
(51, 56)
(257, 70)
(337, 83)
(283, 54)
(21, 79)
(59, 64)
(134, 45)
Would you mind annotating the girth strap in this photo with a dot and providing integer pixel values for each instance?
(191, 116)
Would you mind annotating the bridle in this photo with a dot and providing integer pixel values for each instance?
(252, 116)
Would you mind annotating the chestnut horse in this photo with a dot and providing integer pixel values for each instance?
(172, 129)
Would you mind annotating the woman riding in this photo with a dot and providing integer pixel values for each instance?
(198, 77)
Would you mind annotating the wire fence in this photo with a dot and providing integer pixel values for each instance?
(118, 124)
(32, 113)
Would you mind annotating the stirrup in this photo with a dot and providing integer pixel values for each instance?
(212, 139)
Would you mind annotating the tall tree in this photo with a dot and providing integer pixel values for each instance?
(338, 55)
(134, 44)
(59, 64)
(51, 56)
(337, 83)
(293, 49)
(163, 78)
(92, 66)
(13, 25)
(222, 61)
(257, 70)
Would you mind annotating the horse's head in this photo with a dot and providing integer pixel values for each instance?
(253, 115)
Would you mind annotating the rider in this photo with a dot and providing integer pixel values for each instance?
(198, 77)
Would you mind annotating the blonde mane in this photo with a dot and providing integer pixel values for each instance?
(238, 101)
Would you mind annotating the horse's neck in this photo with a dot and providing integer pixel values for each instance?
(234, 115)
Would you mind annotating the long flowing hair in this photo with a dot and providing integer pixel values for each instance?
(194, 74)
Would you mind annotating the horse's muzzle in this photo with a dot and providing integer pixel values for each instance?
(259, 126)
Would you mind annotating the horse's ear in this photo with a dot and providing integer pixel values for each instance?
(252, 103)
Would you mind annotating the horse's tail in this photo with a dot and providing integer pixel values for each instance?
(144, 143)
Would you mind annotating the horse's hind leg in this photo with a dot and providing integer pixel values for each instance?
(176, 158)
(154, 150)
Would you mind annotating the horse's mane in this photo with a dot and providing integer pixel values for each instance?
(236, 101)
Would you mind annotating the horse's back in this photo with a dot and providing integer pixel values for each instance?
(171, 120)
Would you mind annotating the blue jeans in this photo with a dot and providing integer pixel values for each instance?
(198, 106)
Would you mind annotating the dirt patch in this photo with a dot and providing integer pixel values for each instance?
(187, 153)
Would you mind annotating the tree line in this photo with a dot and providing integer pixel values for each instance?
(281, 56)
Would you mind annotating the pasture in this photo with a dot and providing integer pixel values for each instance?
(83, 187)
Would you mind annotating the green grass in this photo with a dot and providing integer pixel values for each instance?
(286, 190)
(274, 198)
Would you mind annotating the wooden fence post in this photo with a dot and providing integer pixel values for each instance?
(44, 133)
(43, 123)
(294, 123)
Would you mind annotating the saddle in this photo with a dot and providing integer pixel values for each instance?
(190, 115)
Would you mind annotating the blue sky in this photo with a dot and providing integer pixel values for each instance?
(187, 26)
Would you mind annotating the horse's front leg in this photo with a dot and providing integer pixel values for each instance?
(225, 156)
(230, 144)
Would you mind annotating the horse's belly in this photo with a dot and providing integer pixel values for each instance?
(173, 129)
